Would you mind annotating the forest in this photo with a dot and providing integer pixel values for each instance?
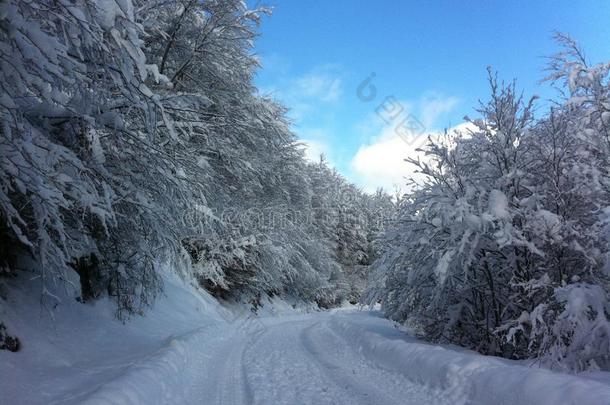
(133, 137)
(133, 142)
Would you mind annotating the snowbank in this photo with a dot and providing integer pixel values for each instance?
(83, 354)
(189, 349)
(471, 378)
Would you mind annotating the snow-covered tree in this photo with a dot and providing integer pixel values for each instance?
(503, 247)
(75, 110)
(133, 138)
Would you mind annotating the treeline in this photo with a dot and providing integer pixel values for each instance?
(504, 248)
(131, 127)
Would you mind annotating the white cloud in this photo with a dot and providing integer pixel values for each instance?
(275, 63)
(380, 159)
(306, 94)
(314, 149)
(381, 163)
(312, 98)
(433, 107)
(320, 85)
(315, 142)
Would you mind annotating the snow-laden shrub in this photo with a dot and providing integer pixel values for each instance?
(572, 331)
(504, 247)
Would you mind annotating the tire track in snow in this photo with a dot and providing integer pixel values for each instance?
(339, 372)
(371, 380)
(282, 371)
(233, 388)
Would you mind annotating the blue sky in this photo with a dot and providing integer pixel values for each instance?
(430, 57)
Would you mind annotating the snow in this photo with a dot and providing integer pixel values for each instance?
(465, 377)
(109, 10)
(498, 204)
(473, 222)
(443, 265)
(189, 349)
(83, 353)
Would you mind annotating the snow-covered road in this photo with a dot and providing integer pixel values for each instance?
(338, 357)
(306, 359)
(190, 350)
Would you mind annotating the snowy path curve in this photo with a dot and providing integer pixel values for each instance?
(340, 357)
(304, 361)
